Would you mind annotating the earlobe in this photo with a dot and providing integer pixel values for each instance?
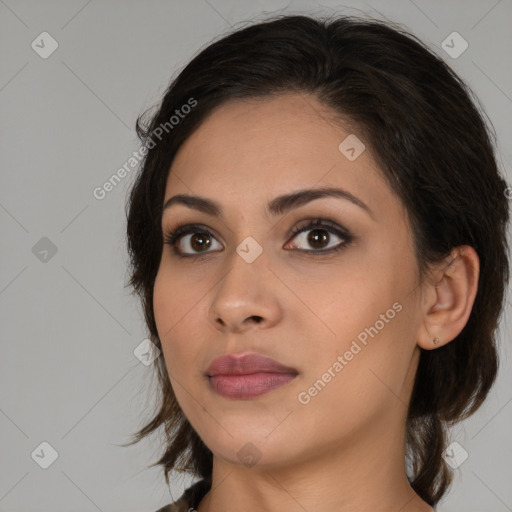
(430, 343)
(451, 298)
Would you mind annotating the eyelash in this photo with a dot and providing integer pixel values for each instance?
(173, 237)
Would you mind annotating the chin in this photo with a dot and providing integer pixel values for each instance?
(256, 449)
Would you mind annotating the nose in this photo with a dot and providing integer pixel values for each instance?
(245, 299)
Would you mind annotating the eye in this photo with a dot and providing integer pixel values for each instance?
(200, 239)
(192, 235)
(319, 236)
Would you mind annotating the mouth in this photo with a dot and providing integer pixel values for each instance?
(247, 376)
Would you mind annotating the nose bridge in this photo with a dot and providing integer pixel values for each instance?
(243, 295)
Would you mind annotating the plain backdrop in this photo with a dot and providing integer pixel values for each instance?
(69, 377)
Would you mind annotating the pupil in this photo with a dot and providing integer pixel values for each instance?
(200, 241)
(317, 237)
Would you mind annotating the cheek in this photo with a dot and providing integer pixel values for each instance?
(354, 382)
(363, 319)
(346, 299)
(162, 306)
(176, 308)
(167, 311)
(174, 301)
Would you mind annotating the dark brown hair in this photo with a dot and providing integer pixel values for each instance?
(419, 120)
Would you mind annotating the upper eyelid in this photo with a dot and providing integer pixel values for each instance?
(311, 223)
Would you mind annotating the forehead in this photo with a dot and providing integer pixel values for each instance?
(273, 145)
(284, 126)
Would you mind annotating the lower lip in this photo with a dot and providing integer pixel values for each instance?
(248, 386)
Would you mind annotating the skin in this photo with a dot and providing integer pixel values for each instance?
(344, 449)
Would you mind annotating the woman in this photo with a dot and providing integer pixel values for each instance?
(317, 235)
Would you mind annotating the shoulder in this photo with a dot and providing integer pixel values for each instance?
(190, 499)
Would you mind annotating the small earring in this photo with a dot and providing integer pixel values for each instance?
(436, 341)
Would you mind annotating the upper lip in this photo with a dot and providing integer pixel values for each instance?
(245, 364)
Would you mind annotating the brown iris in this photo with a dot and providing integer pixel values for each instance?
(200, 241)
(317, 238)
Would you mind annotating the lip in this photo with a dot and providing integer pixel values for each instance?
(247, 376)
(246, 364)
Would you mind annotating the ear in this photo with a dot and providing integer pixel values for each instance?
(449, 298)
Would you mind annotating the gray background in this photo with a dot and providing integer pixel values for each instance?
(68, 326)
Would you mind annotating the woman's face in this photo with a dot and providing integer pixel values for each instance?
(345, 320)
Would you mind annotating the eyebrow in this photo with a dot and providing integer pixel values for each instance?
(278, 206)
